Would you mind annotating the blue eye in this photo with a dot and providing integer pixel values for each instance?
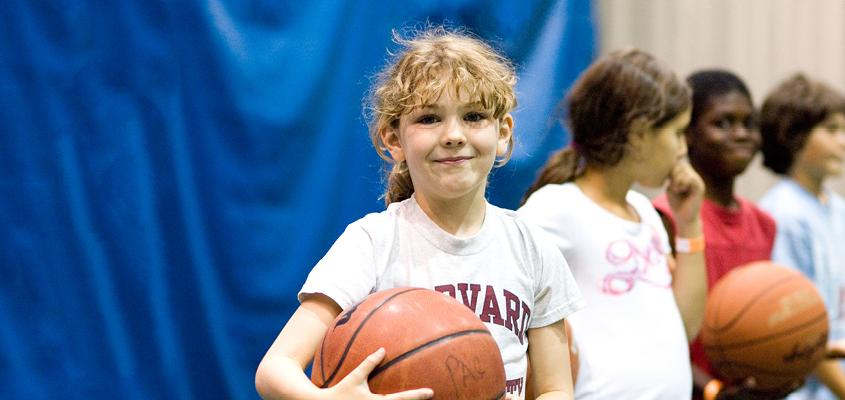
(474, 117)
(428, 119)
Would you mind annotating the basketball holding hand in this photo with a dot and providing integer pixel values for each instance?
(424, 339)
(836, 349)
(716, 390)
(356, 384)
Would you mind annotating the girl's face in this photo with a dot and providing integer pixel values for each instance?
(725, 138)
(450, 146)
(824, 152)
(660, 148)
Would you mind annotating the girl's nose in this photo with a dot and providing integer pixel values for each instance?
(454, 135)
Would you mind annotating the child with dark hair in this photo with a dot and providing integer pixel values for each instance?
(722, 139)
(802, 122)
(627, 113)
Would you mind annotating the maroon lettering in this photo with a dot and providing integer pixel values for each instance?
(526, 315)
(514, 386)
(491, 311)
(470, 299)
(446, 289)
(511, 311)
(514, 316)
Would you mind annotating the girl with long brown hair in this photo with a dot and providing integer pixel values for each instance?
(627, 114)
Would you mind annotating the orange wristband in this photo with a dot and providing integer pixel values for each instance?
(686, 245)
(712, 389)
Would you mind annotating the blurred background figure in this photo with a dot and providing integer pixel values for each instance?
(803, 125)
(722, 139)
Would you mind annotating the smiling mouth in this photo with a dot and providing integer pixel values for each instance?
(742, 149)
(452, 160)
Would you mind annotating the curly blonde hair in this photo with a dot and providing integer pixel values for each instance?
(429, 63)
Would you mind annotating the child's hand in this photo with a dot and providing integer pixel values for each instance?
(835, 349)
(685, 193)
(745, 391)
(354, 385)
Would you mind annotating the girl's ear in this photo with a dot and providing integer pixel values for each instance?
(637, 135)
(505, 145)
(390, 138)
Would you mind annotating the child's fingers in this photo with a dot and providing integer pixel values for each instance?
(369, 364)
(685, 188)
(679, 187)
(682, 178)
(836, 349)
(362, 371)
(355, 384)
(676, 178)
(750, 382)
(416, 394)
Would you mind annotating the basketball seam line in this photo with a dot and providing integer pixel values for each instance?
(355, 334)
(423, 346)
(748, 305)
(758, 370)
(822, 316)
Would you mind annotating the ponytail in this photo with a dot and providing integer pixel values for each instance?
(563, 166)
(399, 184)
(625, 91)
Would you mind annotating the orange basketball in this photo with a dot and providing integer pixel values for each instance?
(431, 340)
(765, 321)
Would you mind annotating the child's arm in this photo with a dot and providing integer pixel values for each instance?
(831, 373)
(548, 353)
(689, 284)
(280, 374)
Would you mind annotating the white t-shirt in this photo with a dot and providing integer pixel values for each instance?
(631, 340)
(521, 280)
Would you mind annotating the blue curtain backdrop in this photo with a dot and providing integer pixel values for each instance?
(170, 172)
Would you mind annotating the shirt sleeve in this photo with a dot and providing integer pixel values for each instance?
(793, 247)
(346, 274)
